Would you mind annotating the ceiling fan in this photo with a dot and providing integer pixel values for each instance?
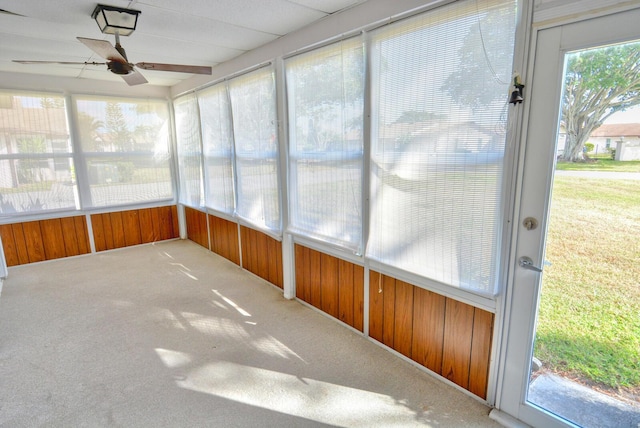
(114, 20)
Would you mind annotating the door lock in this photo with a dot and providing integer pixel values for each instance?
(526, 263)
(530, 223)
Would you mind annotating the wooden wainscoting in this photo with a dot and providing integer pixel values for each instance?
(197, 226)
(448, 337)
(35, 241)
(224, 238)
(333, 285)
(261, 255)
(125, 228)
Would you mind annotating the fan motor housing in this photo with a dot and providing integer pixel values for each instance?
(120, 67)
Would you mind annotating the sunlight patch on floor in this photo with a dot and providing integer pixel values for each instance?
(309, 398)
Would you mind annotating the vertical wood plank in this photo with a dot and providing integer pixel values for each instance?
(82, 234)
(33, 241)
(175, 226)
(253, 250)
(9, 245)
(108, 231)
(314, 295)
(458, 332)
(156, 223)
(428, 329)
(480, 352)
(244, 247)
(279, 267)
(146, 224)
(345, 291)
(52, 241)
(99, 239)
(234, 248)
(272, 251)
(213, 234)
(69, 236)
(376, 307)
(329, 284)
(166, 225)
(21, 243)
(389, 305)
(117, 230)
(298, 252)
(403, 324)
(131, 227)
(358, 297)
(309, 271)
(262, 255)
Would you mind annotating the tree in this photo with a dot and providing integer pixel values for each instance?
(598, 83)
(116, 126)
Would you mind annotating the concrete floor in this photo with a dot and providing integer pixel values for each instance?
(172, 335)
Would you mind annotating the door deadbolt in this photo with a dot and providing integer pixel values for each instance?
(530, 223)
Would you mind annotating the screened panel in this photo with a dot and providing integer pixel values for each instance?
(325, 90)
(217, 145)
(253, 104)
(440, 87)
(189, 148)
(36, 163)
(125, 148)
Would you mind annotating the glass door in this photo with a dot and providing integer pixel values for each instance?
(572, 351)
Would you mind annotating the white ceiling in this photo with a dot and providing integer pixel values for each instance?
(192, 32)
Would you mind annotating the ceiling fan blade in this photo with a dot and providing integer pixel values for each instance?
(134, 78)
(103, 48)
(194, 69)
(59, 62)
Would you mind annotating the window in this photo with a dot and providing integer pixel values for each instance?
(255, 129)
(325, 90)
(36, 160)
(189, 151)
(440, 86)
(125, 148)
(217, 142)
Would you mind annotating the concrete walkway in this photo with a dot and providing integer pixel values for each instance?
(582, 405)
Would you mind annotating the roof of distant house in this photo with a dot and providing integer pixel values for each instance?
(617, 130)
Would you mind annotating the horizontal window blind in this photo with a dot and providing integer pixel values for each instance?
(189, 148)
(217, 143)
(37, 171)
(125, 148)
(255, 129)
(325, 90)
(440, 84)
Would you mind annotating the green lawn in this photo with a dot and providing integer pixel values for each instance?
(589, 314)
(600, 164)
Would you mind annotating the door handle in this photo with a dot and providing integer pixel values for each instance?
(526, 263)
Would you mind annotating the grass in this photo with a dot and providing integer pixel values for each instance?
(589, 313)
(600, 164)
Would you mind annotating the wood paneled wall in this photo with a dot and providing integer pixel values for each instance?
(333, 285)
(450, 338)
(125, 228)
(197, 226)
(262, 255)
(35, 241)
(224, 238)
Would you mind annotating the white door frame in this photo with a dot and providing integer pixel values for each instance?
(533, 189)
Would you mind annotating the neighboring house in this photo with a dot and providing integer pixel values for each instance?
(624, 138)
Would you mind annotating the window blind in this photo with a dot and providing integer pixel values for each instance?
(255, 129)
(440, 84)
(36, 163)
(325, 91)
(125, 149)
(189, 148)
(217, 142)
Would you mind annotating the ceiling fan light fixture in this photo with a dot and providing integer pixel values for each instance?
(115, 20)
